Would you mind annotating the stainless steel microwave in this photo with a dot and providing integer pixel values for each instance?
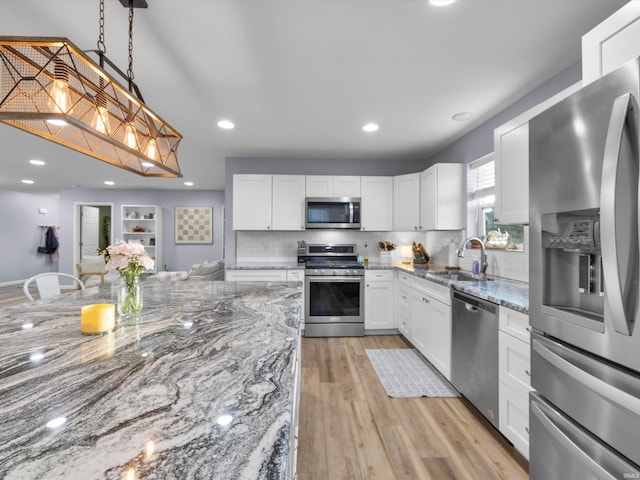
(330, 212)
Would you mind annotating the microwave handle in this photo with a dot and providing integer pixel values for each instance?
(621, 308)
(350, 212)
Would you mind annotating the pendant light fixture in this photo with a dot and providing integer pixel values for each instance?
(51, 88)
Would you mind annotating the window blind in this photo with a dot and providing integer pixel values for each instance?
(481, 181)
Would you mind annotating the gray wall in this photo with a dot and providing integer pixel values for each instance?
(20, 236)
(175, 256)
(479, 142)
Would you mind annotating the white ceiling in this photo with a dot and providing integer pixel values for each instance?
(301, 77)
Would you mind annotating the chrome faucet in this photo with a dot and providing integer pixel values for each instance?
(483, 255)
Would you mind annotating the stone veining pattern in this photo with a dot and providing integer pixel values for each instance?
(149, 397)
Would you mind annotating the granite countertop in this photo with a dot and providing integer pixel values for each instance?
(503, 291)
(199, 386)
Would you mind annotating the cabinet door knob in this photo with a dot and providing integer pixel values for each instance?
(527, 372)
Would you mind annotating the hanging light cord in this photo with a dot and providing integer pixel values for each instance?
(102, 48)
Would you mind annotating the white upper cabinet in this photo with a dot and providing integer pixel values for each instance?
(376, 211)
(332, 186)
(406, 202)
(319, 186)
(288, 202)
(511, 146)
(252, 195)
(612, 43)
(442, 197)
(346, 186)
(268, 202)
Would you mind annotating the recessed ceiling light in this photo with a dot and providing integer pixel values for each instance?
(441, 3)
(370, 127)
(189, 184)
(462, 116)
(109, 182)
(28, 182)
(37, 162)
(226, 124)
(147, 164)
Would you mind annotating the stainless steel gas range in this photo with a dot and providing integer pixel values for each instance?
(334, 291)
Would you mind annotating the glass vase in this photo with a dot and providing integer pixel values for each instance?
(130, 298)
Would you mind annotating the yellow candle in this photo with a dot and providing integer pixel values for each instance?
(98, 318)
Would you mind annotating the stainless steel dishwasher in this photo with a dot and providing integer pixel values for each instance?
(474, 359)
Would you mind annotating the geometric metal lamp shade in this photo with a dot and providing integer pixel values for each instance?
(51, 88)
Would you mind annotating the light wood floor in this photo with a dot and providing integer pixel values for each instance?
(350, 429)
(12, 295)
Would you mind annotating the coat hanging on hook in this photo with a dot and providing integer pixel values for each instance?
(50, 241)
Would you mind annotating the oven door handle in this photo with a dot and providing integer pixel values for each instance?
(336, 279)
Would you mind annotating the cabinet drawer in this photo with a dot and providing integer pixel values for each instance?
(514, 364)
(404, 298)
(378, 275)
(434, 290)
(404, 278)
(295, 275)
(514, 418)
(404, 319)
(515, 323)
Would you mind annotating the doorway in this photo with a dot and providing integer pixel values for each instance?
(92, 228)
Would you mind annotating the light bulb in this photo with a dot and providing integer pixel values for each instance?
(130, 138)
(152, 149)
(100, 121)
(59, 100)
(59, 97)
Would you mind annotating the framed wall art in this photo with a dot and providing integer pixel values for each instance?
(193, 225)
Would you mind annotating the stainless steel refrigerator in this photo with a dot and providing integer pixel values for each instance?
(584, 283)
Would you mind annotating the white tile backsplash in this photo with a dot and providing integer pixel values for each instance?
(261, 246)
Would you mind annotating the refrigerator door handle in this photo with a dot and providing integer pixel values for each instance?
(562, 361)
(571, 440)
(622, 307)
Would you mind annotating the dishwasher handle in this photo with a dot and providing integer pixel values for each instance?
(474, 304)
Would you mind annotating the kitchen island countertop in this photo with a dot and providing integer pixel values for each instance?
(199, 386)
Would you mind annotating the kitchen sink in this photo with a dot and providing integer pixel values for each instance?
(461, 277)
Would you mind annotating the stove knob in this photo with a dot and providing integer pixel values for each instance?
(335, 273)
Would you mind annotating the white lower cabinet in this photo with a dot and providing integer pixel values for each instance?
(255, 275)
(514, 360)
(424, 318)
(378, 300)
